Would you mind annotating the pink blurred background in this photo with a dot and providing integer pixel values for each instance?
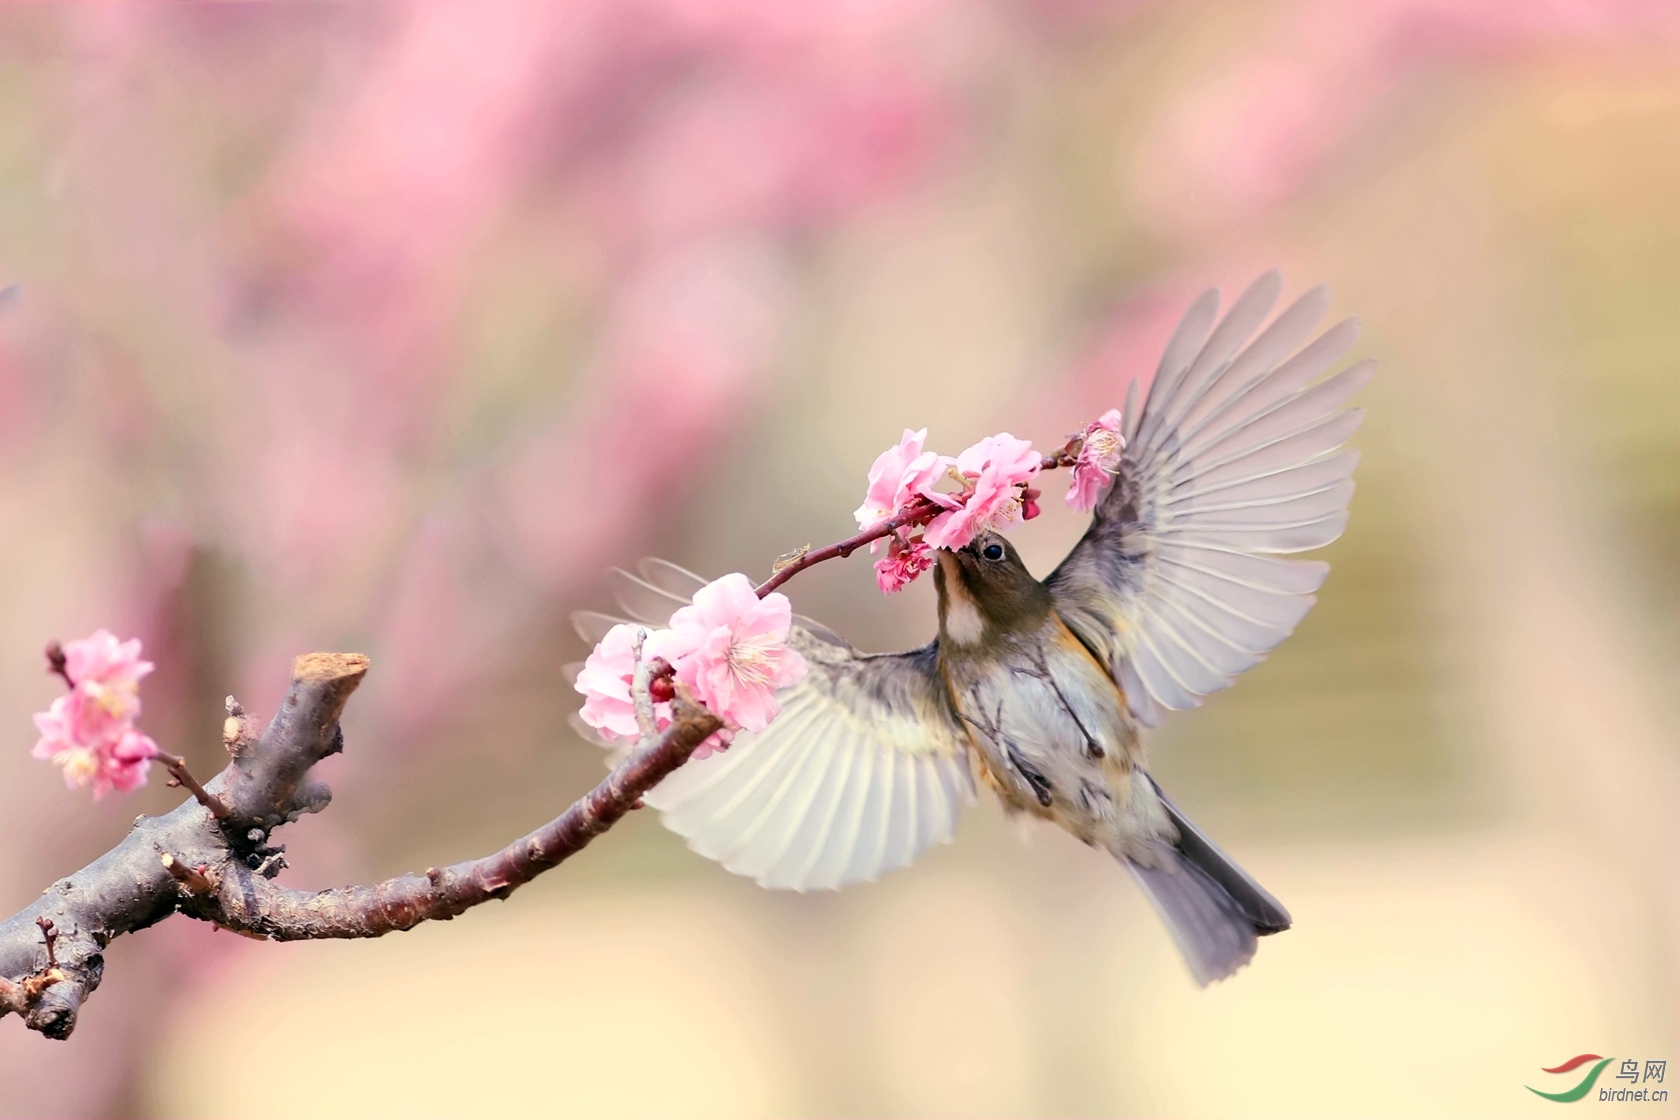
(390, 327)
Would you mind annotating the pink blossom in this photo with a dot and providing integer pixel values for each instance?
(1098, 461)
(119, 760)
(898, 477)
(1029, 503)
(997, 470)
(106, 676)
(89, 731)
(904, 561)
(605, 684)
(1012, 460)
(730, 649)
(126, 765)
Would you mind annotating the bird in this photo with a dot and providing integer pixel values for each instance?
(1042, 690)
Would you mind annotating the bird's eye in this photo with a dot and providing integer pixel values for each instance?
(993, 551)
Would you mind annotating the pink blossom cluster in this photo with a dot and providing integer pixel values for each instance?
(89, 731)
(992, 489)
(728, 649)
(994, 474)
(991, 479)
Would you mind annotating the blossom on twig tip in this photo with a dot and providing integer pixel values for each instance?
(89, 731)
(1098, 461)
(729, 648)
(904, 561)
(605, 682)
(899, 476)
(996, 471)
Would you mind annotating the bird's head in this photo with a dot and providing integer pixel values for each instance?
(985, 591)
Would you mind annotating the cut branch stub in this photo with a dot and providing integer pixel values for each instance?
(175, 860)
(264, 790)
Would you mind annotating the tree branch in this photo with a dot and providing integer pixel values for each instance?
(219, 870)
(211, 858)
(249, 903)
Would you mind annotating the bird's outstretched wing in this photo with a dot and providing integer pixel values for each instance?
(863, 770)
(1232, 461)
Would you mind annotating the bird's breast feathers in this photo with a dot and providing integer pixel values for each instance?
(1049, 729)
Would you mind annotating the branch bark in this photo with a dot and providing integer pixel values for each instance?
(220, 870)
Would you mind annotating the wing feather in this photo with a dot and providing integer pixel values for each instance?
(1279, 509)
(1245, 316)
(1129, 412)
(807, 850)
(901, 825)
(933, 815)
(642, 601)
(1166, 689)
(1265, 387)
(1214, 648)
(740, 799)
(1292, 448)
(1187, 339)
(827, 864)
(1311, 480)
(1220, 617)
(1234, 460)
(865, 767)
(1180, 656)
(1299, 413)
(1217, 651)
(733, 801)
(669, 577)
(1287, 332)
(592, 626)
(1290, 455)
(1298, 537)
(679, 585)
(878, 809)
(787, 812)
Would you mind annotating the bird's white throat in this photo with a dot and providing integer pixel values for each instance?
(964, 624)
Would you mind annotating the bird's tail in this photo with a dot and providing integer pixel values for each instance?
(1214, 910)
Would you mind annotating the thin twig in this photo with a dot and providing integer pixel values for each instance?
(58, 663)
(181, 776)
(918, 512)
(192, 878)
(32, 987)
(50, 936)
(640, 694)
